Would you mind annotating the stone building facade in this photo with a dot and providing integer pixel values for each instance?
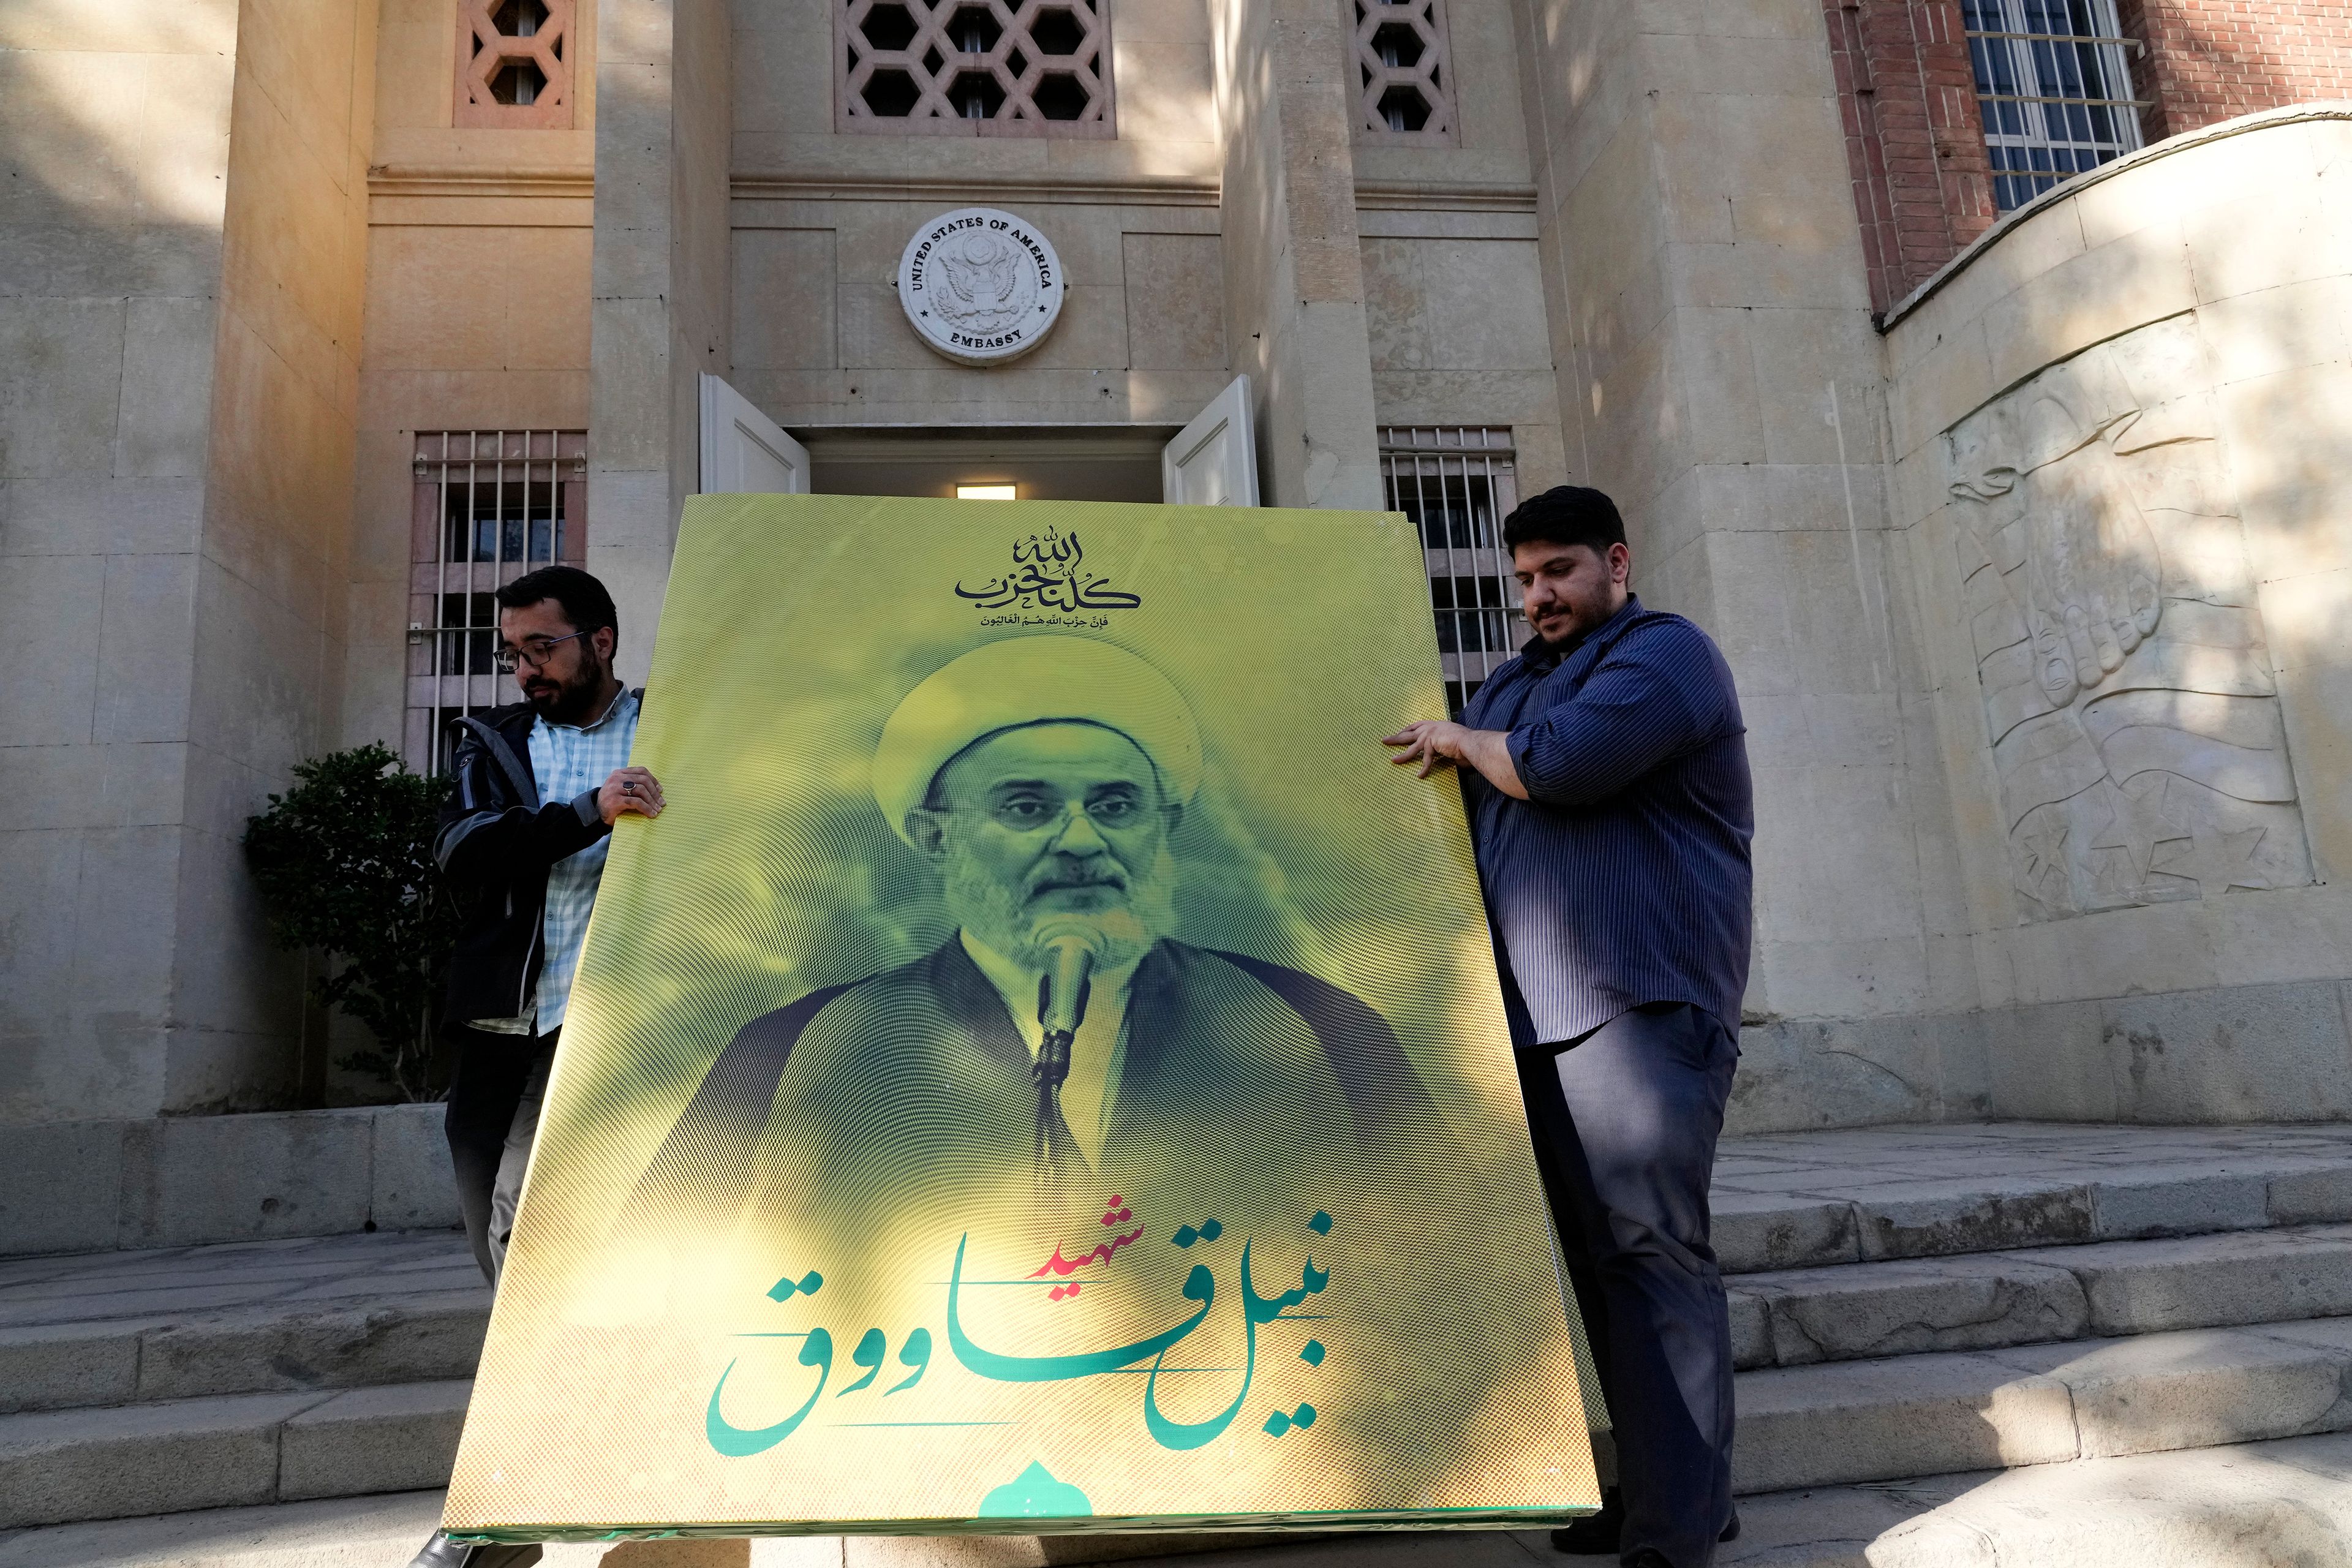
(2015, 492)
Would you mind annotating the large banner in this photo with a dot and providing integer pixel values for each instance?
(1044, 1070)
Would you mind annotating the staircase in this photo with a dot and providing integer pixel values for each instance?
(1997, 1345)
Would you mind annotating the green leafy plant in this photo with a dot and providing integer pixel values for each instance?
(344, 862)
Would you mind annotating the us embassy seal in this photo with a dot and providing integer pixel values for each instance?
(979, 285)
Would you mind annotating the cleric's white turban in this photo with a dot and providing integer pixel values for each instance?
(1033, 681)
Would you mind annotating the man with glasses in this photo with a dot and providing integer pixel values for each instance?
(539, 784)
(523, 843)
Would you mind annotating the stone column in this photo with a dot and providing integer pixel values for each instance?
(1721, 377)
(1294, 265)
(181, 248)
(661, 282)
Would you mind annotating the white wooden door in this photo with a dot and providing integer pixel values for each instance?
(743, 453)
(1213, 462)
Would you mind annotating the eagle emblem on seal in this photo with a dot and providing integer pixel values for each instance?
(984, 283)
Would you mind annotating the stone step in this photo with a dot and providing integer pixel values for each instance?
(1992, 1301)
(336, 1533)
(1849, 1422)
(2284, 1502)
(227, 1450)
(1828, 1424)
(1868, 1194)
(2287, 1501)
(335, 1312)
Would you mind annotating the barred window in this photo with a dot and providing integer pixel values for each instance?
(1457, 484)
(973, 68)
(489, 506)
(2054, 86)
(1404, 72)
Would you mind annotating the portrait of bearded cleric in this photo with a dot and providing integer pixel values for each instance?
(1063, 1041)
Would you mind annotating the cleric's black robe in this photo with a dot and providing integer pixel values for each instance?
(1237, 1073)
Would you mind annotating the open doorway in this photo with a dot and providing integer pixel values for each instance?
(1120, 463)
(1212, 461)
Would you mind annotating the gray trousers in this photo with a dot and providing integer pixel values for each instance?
(492, 1120)
(514, 1159)
(1625, 1121)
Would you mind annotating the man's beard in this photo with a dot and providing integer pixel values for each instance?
(568, 702)
(1004, 918)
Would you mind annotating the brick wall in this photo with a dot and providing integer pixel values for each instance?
(2215, 59)
(1922, 185)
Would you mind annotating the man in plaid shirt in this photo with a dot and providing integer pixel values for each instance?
(522, 842)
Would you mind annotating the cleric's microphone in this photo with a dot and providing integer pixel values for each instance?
(1061, 1008)
(1062, 993)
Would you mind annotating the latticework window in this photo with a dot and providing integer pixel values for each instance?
(490, 505)
(1457, 484)
(1404, 72)
(973, 68)
(2054, 87)
(514, 64)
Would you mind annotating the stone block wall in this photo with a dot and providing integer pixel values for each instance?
(2209, 60)
(1454, 274)
(95, 1186)
(475, 310)
(1720, 375)
(179, 254)
(2120, 431)
(114, 134)
(269, 624)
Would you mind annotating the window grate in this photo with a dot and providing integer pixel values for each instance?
(973, 68)
(2053, 84)
(514, 64)
(1405, 71)
(489, 506)
(1457, 484)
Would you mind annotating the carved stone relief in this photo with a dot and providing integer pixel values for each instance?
(2127, 688)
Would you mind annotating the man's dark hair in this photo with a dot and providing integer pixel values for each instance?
(585, 604)
(1566, 514)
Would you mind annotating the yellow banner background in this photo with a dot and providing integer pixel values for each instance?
(1433, 1377)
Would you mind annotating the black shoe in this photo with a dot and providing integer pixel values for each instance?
(1599, 1535)
(1649, 1557)
(1594, 1535)
(443, 1552)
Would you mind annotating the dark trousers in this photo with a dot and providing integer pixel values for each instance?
(493, 1116)
(1625, 1121)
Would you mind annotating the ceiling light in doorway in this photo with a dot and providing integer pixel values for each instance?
(986, 492)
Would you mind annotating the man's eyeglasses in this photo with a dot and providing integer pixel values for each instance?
(534, 652)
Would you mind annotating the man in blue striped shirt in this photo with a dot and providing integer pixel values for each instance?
(1606, 771)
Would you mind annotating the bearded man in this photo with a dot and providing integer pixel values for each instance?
(1061, 1034)
(1606, 771)
(538, 785)
(521, 843)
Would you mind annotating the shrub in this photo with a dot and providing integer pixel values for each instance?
(344, 861)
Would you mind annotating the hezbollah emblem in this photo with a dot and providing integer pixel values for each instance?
(981, 286)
